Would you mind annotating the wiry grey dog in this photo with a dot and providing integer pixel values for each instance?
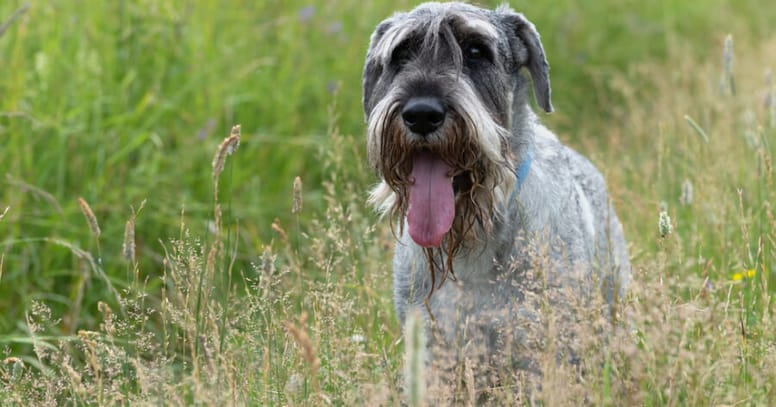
(482, 194)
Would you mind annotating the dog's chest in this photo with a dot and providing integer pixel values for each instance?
(487, 290)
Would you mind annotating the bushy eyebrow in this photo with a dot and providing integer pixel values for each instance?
(463, 25)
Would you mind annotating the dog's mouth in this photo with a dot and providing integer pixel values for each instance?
(432, 192)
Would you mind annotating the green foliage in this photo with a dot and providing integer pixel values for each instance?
(125, 102)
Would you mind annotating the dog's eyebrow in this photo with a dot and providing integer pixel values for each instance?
(475, 26)
(392, 38)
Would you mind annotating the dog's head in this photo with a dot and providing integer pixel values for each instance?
(441, 84)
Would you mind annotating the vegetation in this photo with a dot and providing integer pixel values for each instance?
(137, 267)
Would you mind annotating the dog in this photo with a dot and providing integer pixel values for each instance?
(488, 207)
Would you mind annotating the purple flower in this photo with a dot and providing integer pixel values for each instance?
(306, 13)
(334, 28)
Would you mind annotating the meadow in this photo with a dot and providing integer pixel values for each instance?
(147, 259)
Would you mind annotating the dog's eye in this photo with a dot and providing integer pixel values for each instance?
(476, 52)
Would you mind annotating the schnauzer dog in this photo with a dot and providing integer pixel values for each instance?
(480, 193)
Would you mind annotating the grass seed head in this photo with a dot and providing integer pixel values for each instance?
(94, 227)
(227, 147)
(686, 197)
(664, 224)
(299, 333)
(128, 247)
(727, 83)
(296, 205)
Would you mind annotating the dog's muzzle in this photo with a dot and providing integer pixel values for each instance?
(431, 207)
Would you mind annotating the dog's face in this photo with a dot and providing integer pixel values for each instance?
(439, 90)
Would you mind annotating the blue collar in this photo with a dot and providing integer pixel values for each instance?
(522, 172)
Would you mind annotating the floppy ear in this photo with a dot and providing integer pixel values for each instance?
(373, 67)
(527, 51)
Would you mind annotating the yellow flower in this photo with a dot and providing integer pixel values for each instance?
(744, 274)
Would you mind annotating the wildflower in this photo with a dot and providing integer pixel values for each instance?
(744, 274)
(332, 87)
(334, 28)
(664, 224)
(204, 132)
(306, 13)
(707, 285)
(357, 338)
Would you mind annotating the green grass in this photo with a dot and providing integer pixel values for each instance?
(126, 102)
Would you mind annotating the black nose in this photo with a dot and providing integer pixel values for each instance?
(423, 115)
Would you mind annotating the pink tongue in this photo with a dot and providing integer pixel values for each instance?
(432, 202)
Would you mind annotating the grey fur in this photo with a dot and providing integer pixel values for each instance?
(560, 230)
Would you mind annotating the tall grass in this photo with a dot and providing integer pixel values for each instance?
(120, 102)
(223, 289)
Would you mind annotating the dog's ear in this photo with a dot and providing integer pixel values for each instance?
(527, 51)
(373, 67)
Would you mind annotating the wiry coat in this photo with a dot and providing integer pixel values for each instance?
(512, 238)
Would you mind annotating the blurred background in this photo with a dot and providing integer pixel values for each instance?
(124, 102)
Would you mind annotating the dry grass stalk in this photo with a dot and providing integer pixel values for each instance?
(94, 227)
(414, 360)
(227, 147)
(296, 205)
(727, 83)
(303, 340)
(2, 255)
(16, 14)
(107, 315)
(471, 385)
(128, 247)
(76, 380)
(215, 248)
(92, 355)
(266, 369)
(770, 98)
(279, 230)
(36, 191)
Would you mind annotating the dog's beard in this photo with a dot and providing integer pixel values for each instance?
(479, 181)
